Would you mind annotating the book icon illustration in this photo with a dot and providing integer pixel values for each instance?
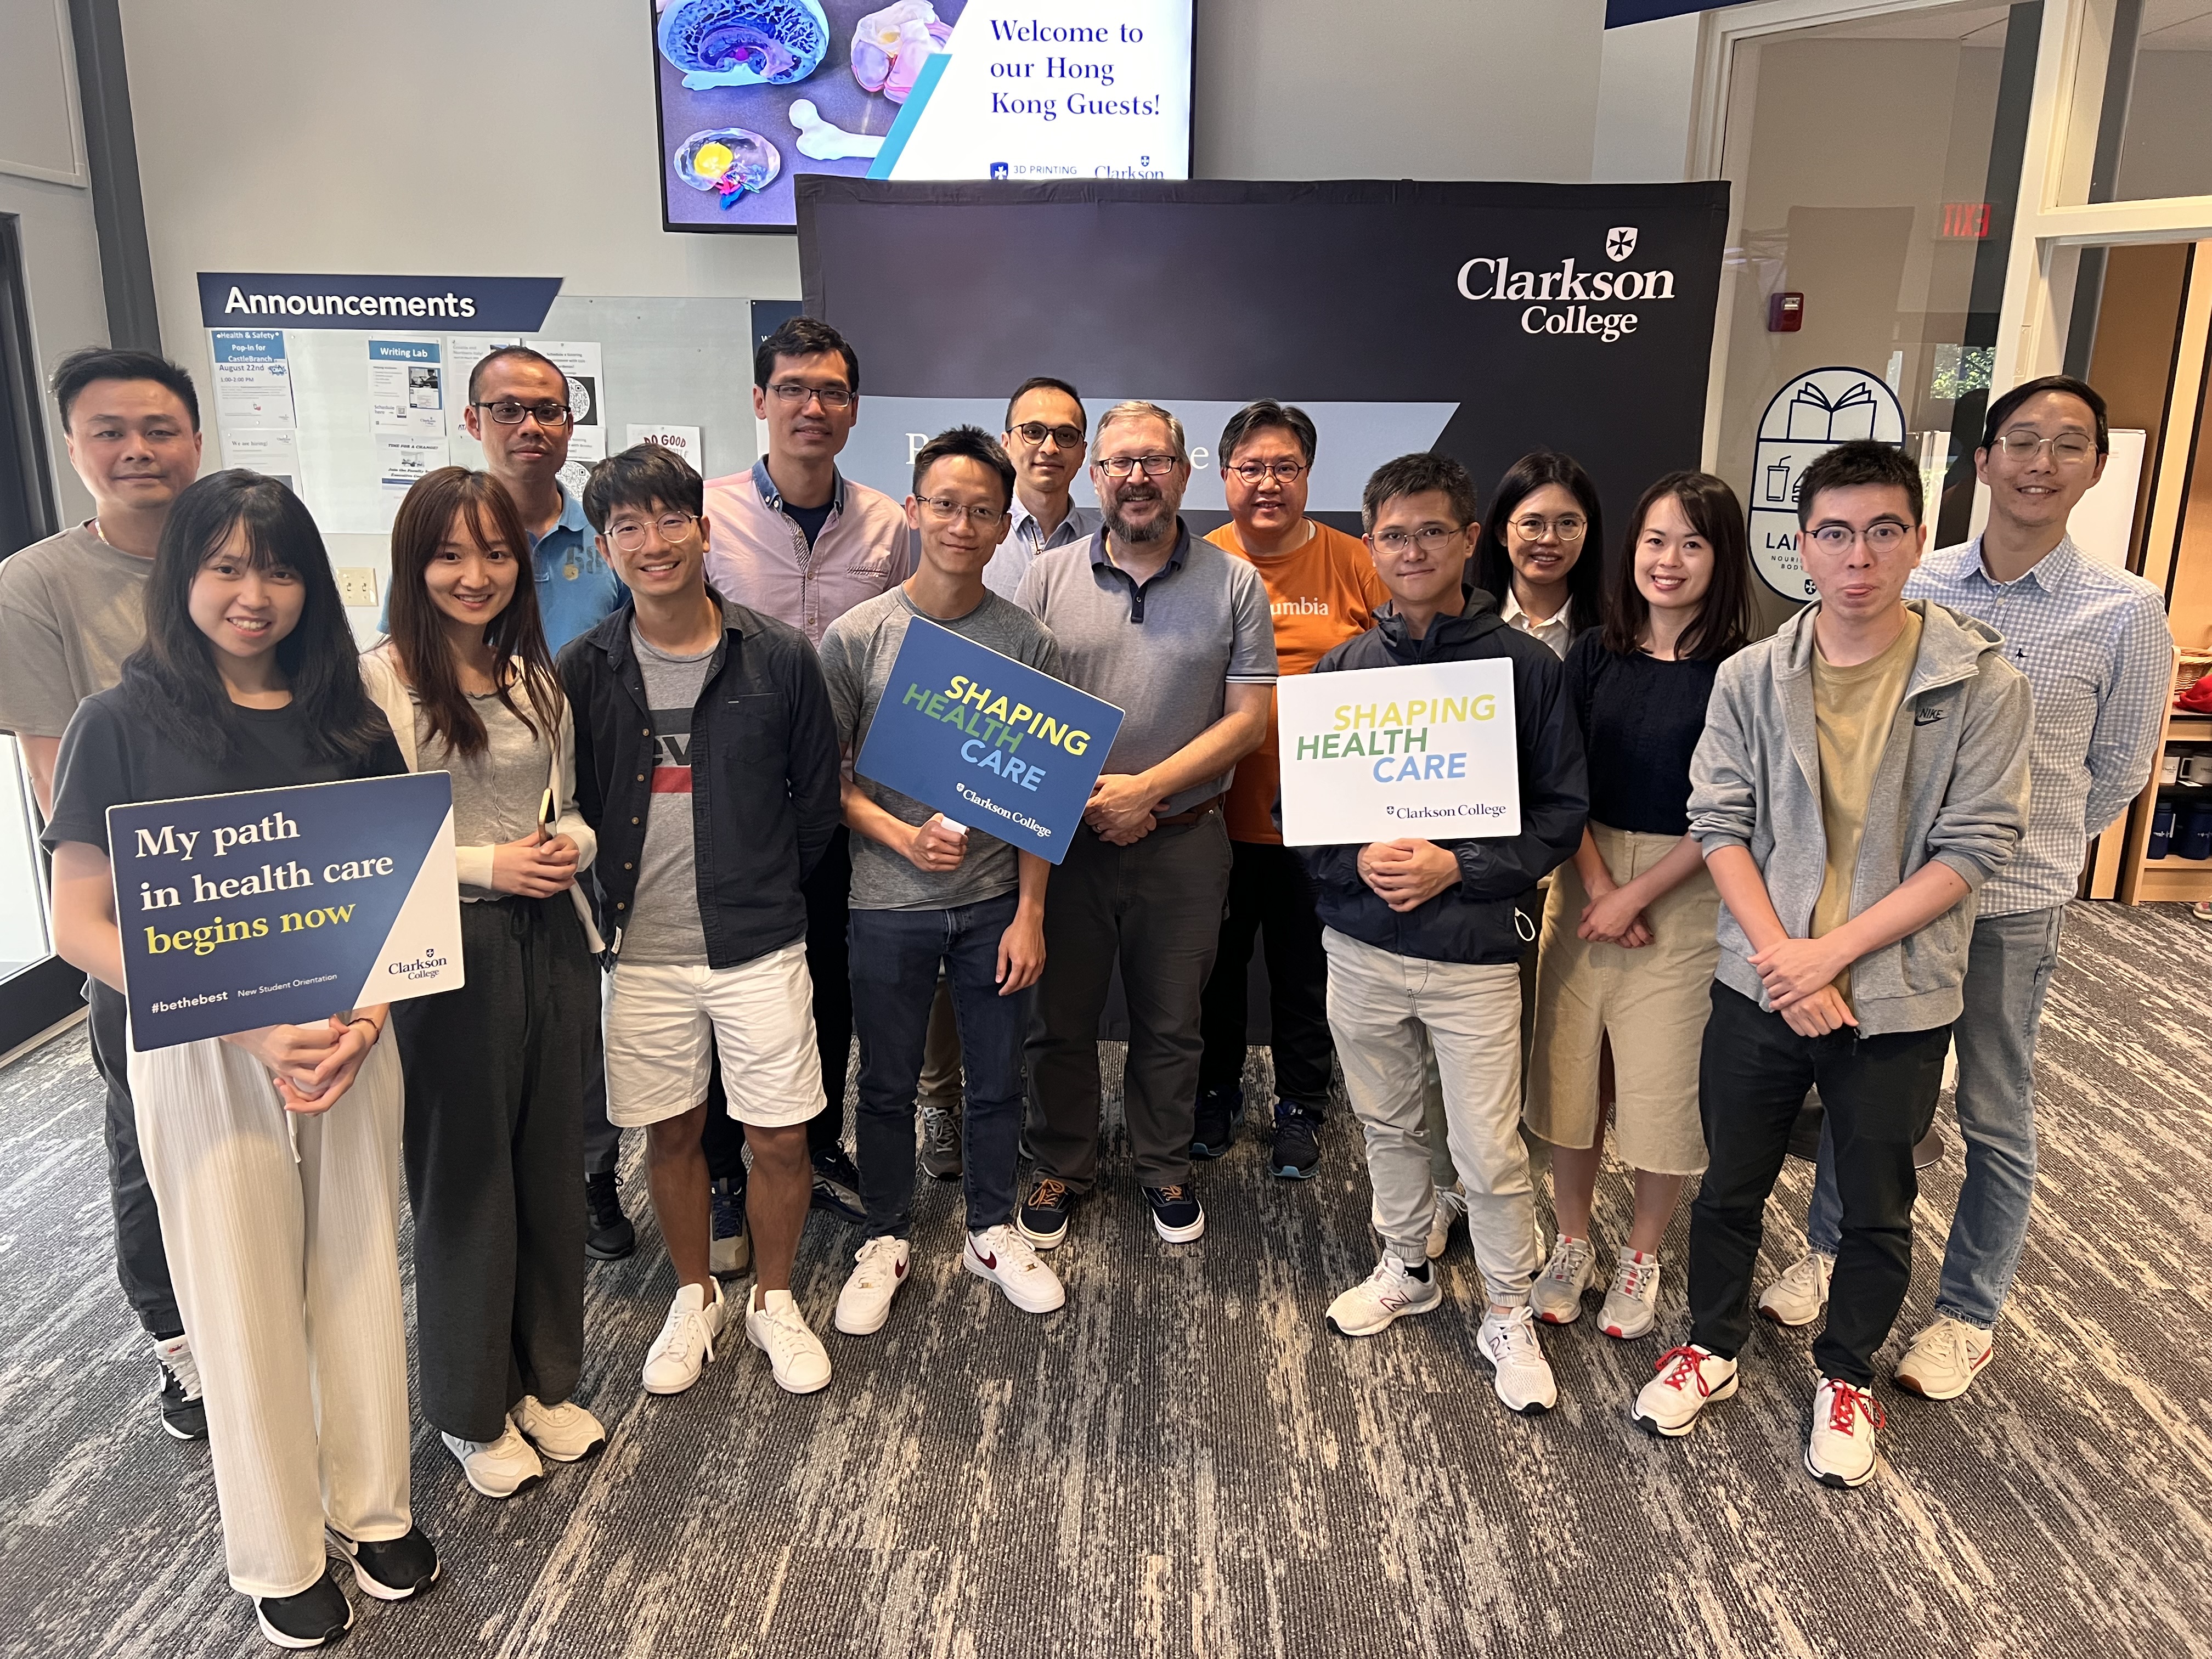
(1817, 416)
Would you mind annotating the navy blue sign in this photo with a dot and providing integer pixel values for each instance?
(491, 305)
(282, 907)
(989, 742)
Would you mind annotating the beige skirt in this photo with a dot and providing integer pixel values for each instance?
(1651, 1001)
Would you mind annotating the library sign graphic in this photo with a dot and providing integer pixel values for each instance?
(1806, 419)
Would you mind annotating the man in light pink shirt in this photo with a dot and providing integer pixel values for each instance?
(795, 539)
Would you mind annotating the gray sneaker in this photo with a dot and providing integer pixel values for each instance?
(1557, 1295)
(940, 1142)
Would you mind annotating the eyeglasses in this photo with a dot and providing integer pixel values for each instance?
(790, 391)
(1120, 466)
(509, 411)
(2020, 444)
(1035, 432)
(1568, 527)
(1430, 538)
(1885, 536)
(944, 511)
(629, 535)
(1254, 473)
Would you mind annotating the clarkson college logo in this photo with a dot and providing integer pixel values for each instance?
(1620, 242)
(1565, 299)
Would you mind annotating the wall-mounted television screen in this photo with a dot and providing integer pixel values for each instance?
(751, 92)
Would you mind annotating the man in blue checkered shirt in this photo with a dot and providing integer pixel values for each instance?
(2094, 645)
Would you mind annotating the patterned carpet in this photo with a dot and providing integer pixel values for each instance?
(1185, 1460)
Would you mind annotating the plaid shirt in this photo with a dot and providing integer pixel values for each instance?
(2093, 643)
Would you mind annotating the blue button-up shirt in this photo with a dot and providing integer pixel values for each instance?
(2093, 643)
(1025, 539)
(576, 588)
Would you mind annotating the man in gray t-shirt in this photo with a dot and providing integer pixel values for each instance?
(664, 923)
(1176, 634)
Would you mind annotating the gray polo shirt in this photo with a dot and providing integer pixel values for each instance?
(1162, 653)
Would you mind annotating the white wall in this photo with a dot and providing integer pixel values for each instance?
(1646, 94)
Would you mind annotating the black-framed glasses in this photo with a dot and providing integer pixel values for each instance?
(945, 512)
(1568, 527)
(1120, 466)
(1254, 473)
(2021, 444)
(509, 411)
(791, 392)
(1883, 536)
(628, 535)
(1035, 432)
(1430, 538)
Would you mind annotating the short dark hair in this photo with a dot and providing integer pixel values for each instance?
(1860, 461)
(81, 368)
(1417, 475)
(805, 337)
(2002, 410)
(1724, 619)
(522, 352)
(1045, 383)
(643, 476)
(1493, 565)
(1258, 417)
(967, 443)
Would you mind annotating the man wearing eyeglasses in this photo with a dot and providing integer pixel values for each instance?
(1863, 772)
(1044, 437)
(1174, 632)
(1322, 590)
(2094, 642)
(795, 539)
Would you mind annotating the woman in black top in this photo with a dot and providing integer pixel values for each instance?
(1629, 942)
(273, 1154)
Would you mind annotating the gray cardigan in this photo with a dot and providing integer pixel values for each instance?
(1952, 787)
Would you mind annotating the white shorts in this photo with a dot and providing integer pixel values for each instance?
(760, 1018)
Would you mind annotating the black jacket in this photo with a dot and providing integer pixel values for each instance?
(1472, 922)
(764, 778)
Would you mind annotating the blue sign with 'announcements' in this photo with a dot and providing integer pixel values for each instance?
(989, 742)
(282, 907)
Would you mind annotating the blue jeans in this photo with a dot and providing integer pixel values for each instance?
(2008, 972)
(894, 958)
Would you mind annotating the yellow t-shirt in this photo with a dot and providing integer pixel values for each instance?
(1853, 708)
(1320, 594)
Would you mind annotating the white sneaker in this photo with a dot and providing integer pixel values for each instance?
(1451, 1208)
(1689, 1378)
(796, 1357)
(1798, 1296)
(1632, 1305)
(1839, 1452)
(564, 1432)
(1944, 1359)
(1390, 1290)
(497, 1469)
(1007, 1260)
(686, 1341)
(880, 1268)
(1556, 1298)
(1524, 1376)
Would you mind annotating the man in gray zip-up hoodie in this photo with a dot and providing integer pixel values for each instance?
(1861, 772)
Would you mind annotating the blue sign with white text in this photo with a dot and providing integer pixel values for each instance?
(989, 742)
(496, 305)
(282, 907)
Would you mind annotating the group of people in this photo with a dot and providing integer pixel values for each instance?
(1746, 869)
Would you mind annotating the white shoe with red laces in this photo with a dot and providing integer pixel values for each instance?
(1839, 1452)
(1688, 1377)
(1944, 1359)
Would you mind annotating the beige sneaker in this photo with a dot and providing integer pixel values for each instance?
(1944, 1359)
(1798, 1296)
(565, 1432)
(1557, 1295)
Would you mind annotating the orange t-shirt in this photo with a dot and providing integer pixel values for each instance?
(1320, 594)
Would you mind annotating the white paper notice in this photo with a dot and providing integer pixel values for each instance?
(684, 440)
(579, 361)
(406, 390)
(400, 461)
(274, 450)
(252, 378)
(463, 353)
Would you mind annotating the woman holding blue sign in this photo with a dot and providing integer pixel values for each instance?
(273, 1153)
(495, 1069)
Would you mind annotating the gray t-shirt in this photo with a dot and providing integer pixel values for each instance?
(857, 655)
(71, 609)
(664, 924)
(495, 794)
(1162, 653)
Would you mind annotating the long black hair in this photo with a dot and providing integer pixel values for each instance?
(1493, 568)
(1724, 620)
(172, 676)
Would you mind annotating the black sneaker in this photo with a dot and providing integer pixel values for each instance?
(317, 1614)
(1043, 1219)
(837, 1185)
(1214, 1131)
(730, 1250)
(1175, 1213)
(394, 1569)
(608, 1234)
(184, 1414)
(1296, 1154)
(940, 1142)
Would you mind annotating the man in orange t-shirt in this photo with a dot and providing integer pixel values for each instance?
(1322, 589)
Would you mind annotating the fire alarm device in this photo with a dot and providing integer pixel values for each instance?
(1785, 313)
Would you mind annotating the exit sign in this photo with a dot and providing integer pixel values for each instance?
(1964, 222)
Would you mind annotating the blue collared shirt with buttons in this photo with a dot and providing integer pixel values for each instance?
(1025, 539)
(576, 588)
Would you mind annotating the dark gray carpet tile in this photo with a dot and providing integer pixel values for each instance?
(1185, 1460)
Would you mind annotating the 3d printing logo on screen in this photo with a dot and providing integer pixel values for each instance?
(1579, 290)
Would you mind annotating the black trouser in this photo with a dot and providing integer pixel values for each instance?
(141, 1264)
(1880, 1093)
(829, 893)
(1268, 892)
(493, 1128)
